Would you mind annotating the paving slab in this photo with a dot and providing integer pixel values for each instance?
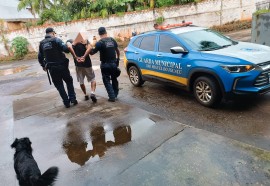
(117, 144)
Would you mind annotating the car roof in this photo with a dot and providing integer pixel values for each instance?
(185, 29)
(174, 30)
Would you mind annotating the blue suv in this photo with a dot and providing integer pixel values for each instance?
(200, 60)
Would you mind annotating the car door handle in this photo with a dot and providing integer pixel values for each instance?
(136, 52)
(159, 55)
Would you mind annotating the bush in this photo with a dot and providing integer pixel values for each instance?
(233, 26)
(160, 20)
(19, 46)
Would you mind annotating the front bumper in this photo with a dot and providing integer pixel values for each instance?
(244, 86)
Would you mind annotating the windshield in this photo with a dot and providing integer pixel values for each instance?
(206, 40)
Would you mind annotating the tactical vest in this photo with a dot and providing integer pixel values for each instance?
(51, 51)
(107, 52)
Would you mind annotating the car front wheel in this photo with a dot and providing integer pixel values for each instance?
(135, 76)
(206, 91)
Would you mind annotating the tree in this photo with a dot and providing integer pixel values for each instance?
(152, 3)
(35, 6)
(65, 10)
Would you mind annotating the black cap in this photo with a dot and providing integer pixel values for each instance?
(49, 30)
(102, 30)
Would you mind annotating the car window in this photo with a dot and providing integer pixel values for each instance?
(137, 42)
(148, 43)
(166, 42)
(206, 40)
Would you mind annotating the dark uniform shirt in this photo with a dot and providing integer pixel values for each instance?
(51, 49)
(79, 50)
(106, 47)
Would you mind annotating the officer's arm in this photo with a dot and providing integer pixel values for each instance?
(116, 49)
(96, 49)
(117, 52)
(41, 57)
(62, 46)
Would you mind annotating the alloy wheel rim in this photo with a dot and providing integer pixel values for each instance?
(203, 91)
(134, 76)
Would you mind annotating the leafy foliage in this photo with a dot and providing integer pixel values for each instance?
(54, 15)
(160, 20)
(20, 47)
(262, 11)
(66, 10)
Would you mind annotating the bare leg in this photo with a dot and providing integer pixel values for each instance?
(93, 89)
(93, 86)
(83, 88)
(84, 91)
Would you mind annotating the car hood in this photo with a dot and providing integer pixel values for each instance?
(251, 52)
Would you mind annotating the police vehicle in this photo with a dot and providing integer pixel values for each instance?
(200, 60)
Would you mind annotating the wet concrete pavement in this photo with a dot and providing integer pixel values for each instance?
(118, 144)
(137, 140)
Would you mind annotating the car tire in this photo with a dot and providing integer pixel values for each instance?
(135, 76)
(207, 92)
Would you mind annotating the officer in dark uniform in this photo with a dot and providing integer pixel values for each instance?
(51, 57)
(109, 57)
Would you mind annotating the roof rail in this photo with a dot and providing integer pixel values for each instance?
(166, 27)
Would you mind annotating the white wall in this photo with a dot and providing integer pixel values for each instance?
(206, 13)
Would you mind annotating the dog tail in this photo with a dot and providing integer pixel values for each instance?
(48, 177)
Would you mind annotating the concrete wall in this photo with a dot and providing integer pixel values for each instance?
(262, 4)
(206, 13)
(261, 29)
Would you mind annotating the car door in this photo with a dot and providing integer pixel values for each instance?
(132, 50)
(145, 54)
(173, 66)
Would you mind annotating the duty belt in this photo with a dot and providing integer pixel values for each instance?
(110, 61)
(51, 64)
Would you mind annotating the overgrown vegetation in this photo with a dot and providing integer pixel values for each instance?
(262, 11)
(19, 46)
(233, 26)
(67, 10)
(160, 20)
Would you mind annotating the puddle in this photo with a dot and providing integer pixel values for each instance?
(84, 144)
(15, 70)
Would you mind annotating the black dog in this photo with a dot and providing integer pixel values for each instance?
(26, 168)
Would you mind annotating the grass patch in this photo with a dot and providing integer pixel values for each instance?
(233, 26)
(263, 11)
(30, 55)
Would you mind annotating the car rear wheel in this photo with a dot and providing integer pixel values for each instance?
(135, 76)
(207, 91)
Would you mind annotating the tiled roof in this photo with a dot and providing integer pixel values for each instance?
(9, 12)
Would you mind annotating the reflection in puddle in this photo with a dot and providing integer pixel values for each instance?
(82, 145)
(9, 71)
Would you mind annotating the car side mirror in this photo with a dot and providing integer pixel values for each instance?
(178, 50)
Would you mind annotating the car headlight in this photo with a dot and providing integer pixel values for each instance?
(238, 68)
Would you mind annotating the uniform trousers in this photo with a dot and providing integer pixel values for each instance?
(59, 74)
(108, 71)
